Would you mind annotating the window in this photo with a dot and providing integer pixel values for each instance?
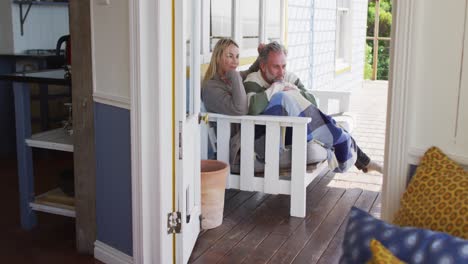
(343, 44)
(221, 20)
(249, 22)
(273, 21)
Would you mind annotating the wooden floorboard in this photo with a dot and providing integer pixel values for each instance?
(333, 252)
(257, 227)
(257, 207)
(322, 236)
(231, 220)
(302, 234)
(230, 193)
(280, 233)
(236, 201)
(271, 210)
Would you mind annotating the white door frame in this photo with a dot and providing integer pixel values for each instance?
(151, 133)
(150, 57)
(396, 145)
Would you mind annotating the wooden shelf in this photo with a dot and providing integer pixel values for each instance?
(41, 2)
(55, 202)
(56, 139)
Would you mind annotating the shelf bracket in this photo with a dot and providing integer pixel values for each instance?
(23, 19)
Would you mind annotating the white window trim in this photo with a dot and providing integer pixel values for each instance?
(236, 33)
(344, 64)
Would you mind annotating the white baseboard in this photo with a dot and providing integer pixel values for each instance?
(109, 99)
(110, 255)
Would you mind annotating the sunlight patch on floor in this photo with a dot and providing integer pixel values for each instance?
(364, 181)
(352, 185)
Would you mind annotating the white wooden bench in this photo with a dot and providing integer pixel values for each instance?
(298, 180)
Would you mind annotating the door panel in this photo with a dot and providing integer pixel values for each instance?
(187, 31)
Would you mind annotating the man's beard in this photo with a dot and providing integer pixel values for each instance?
(271, 78)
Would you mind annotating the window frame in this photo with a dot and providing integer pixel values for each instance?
(343, 36)
(236, 33)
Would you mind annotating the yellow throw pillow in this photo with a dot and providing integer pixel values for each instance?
(437, 196)
(381, 255)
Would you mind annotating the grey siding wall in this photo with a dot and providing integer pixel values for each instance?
(311, 44)
(353, 79)
(300, 18)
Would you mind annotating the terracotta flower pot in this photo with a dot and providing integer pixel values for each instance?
(213, 184)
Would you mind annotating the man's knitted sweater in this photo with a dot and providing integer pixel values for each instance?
(259, 92)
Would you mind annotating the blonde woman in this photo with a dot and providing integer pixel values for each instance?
(222, 88)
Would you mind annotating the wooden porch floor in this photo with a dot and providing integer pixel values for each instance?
(257, 227)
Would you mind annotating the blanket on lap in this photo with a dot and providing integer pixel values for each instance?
(323, 129)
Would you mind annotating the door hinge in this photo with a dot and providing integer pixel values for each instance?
(174, 222)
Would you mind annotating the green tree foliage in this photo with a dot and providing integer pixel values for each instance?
(385, 24)
(368, 63)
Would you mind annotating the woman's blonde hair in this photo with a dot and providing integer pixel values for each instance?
(216, 57)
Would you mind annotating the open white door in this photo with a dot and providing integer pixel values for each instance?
(187, 108)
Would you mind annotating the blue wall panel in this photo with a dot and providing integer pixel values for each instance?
(113, 177)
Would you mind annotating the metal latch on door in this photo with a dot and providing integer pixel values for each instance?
(174, 222)
(203, 117)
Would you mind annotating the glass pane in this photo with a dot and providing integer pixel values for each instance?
(273, 23)
(220, 22)
(385, 18)
(371, 18)
(249, 10)
(188, 36)
(384, 60)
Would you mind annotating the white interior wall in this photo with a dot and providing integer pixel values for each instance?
(6, 31)
(110, 39)
(461, 145)
(44, 25)
(435, 79)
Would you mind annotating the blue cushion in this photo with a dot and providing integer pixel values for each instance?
(412, 245)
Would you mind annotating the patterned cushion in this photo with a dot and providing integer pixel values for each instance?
(409, 244)
(381, 255)
(437, 196)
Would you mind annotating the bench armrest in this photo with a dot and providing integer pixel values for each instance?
(260, 119)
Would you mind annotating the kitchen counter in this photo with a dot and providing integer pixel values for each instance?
(56, 77)
(36, 59)
(56, 139)
(29, 55)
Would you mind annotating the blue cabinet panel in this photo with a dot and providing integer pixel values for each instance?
(113, 177)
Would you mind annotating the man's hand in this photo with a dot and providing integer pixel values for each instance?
(260, 47)
(289, 87)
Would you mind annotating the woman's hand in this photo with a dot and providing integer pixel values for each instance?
(229, 76)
